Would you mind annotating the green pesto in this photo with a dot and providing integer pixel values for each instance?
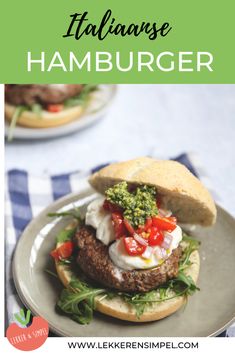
(137, 205)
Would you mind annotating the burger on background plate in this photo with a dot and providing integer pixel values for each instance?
(128, 257)
(45, 106)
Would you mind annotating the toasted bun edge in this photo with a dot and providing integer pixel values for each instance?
(46, 119)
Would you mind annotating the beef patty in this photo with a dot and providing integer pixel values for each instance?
(43, 94)
(93, 258)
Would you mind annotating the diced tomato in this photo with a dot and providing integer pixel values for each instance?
(118, 224)
(54, 108)
(172, 219)
(132, 247)
(55, 254)
(64, 251)
(163, 223)
(129, 227)
(156, 237)
(111, 207)
(148, 223)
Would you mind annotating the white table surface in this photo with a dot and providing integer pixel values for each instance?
(158, 120)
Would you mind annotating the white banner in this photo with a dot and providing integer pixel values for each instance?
(131, 344)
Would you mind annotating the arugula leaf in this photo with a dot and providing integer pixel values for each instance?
(190, 240)
(163, 293)
(37, 109)
(51, 273)
(82, 98)
(65, 235)
(75, 213)
(192, 245)
(17, 113)
(181, 286)
(73, 102)
(186, 282)
(140, 301)
(87, 89)
(78, 300)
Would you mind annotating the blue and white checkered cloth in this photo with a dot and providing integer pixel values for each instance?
(28, 195)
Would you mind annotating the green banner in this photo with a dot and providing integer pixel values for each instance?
(108, 41)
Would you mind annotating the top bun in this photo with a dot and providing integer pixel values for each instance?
(179, 190)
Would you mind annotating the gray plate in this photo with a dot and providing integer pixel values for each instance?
(207, 313)
(97, 109)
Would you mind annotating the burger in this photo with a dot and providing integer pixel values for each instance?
(128, 257)
(44, 106)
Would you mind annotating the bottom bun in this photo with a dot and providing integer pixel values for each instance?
(119, 308)
(45, 119)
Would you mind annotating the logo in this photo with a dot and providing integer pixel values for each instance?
(26, 334)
